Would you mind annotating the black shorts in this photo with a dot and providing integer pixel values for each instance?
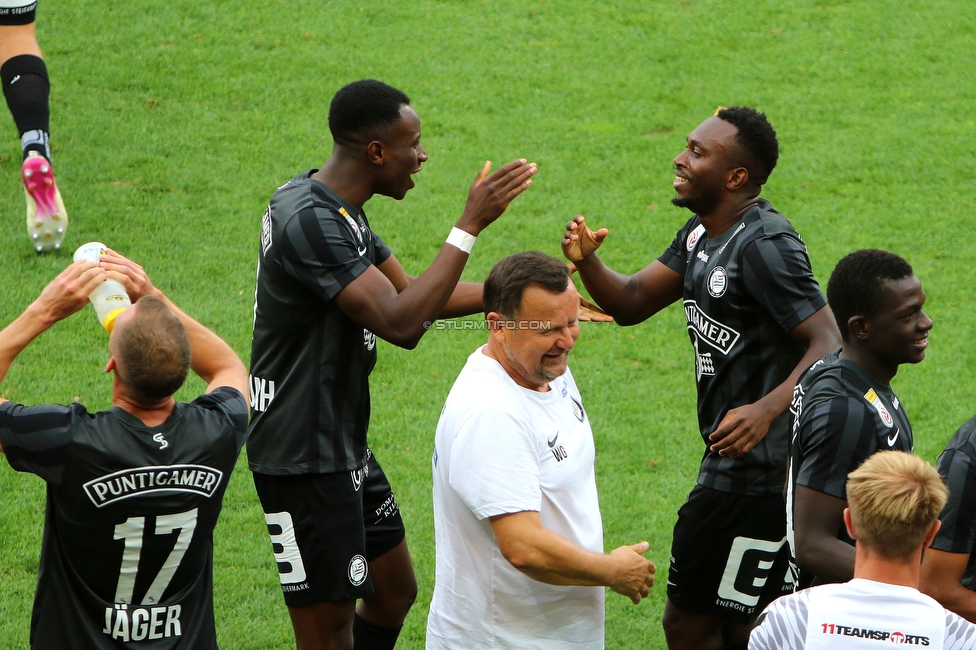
(729, 556)
(326, 528)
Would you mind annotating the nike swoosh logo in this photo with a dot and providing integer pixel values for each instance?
(894, 438)
(552, 442)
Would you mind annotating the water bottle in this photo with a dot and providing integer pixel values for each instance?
(110, 298)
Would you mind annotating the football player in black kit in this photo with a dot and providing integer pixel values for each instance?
(757, 319)
(133, 493)
(327, 287)
(845, 408)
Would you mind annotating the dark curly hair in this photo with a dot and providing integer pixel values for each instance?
(858, 281)
(362, 107)
(756, 146)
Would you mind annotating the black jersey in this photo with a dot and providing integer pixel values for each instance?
(127, 556)
(841, 416)
(957, 465)
(743, 293)
(310, 363)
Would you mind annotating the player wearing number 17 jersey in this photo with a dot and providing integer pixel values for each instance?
(133, 493)
(757, 319)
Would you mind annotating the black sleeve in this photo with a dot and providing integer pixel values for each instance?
(958, 531)
(836, 435)
(777, 274)
(383, 251)
(229, 401)
(37, 439)
(319, 250)
(675, 257)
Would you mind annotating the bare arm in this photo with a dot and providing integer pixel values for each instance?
(466, 298)
(373, 301)
(629, 299)
(744, 426)
(548, 557)
(212, 359)
(65, 295)
(818, 519)
(941, 578)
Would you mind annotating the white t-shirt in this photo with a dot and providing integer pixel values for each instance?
(860, 614)
(501, 448)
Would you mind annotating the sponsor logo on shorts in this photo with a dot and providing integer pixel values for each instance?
(369, 340)
(138, 481)
(358, 570)
(718, 282)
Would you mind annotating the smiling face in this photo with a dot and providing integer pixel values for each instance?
(401, 155)
(535, 345)
(702, 169)
(898, 332)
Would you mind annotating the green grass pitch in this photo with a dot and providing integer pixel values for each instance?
(174, 121)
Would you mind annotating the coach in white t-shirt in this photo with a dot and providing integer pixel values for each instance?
(520, 561)
(894, 500)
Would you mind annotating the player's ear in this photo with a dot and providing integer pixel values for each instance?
(738, 176)
(858, 327)
(496, 323)
(849, 523)
(110, 366)
(374, 152)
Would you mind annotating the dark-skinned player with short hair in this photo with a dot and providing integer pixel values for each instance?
(327, 287)
(757, 319)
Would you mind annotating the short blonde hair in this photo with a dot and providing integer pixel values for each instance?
(152, 351)
(894, 498)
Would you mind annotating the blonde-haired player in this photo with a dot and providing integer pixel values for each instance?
(894, 500)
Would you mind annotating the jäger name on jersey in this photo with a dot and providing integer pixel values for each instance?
(142, 623)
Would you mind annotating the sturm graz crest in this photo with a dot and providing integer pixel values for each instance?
(718, 282)
(358, 570)
(578, 409)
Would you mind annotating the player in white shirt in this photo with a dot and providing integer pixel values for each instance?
(894, 500)
(520, 561)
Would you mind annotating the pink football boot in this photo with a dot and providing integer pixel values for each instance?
(47, 220)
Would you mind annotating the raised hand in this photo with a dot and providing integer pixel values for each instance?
(579, 241)
(132, 276)
(490, 194)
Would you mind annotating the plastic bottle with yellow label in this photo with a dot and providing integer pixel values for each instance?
(110, 298)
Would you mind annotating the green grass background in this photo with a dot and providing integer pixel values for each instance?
(173, 121)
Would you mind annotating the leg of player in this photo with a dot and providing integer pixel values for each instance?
(379, 617)
(686, 630)
(736, 635)
(26, 89)
(323, 626)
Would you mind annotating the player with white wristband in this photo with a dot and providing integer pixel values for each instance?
(327, 286)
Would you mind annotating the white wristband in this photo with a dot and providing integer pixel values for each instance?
(461, 239)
